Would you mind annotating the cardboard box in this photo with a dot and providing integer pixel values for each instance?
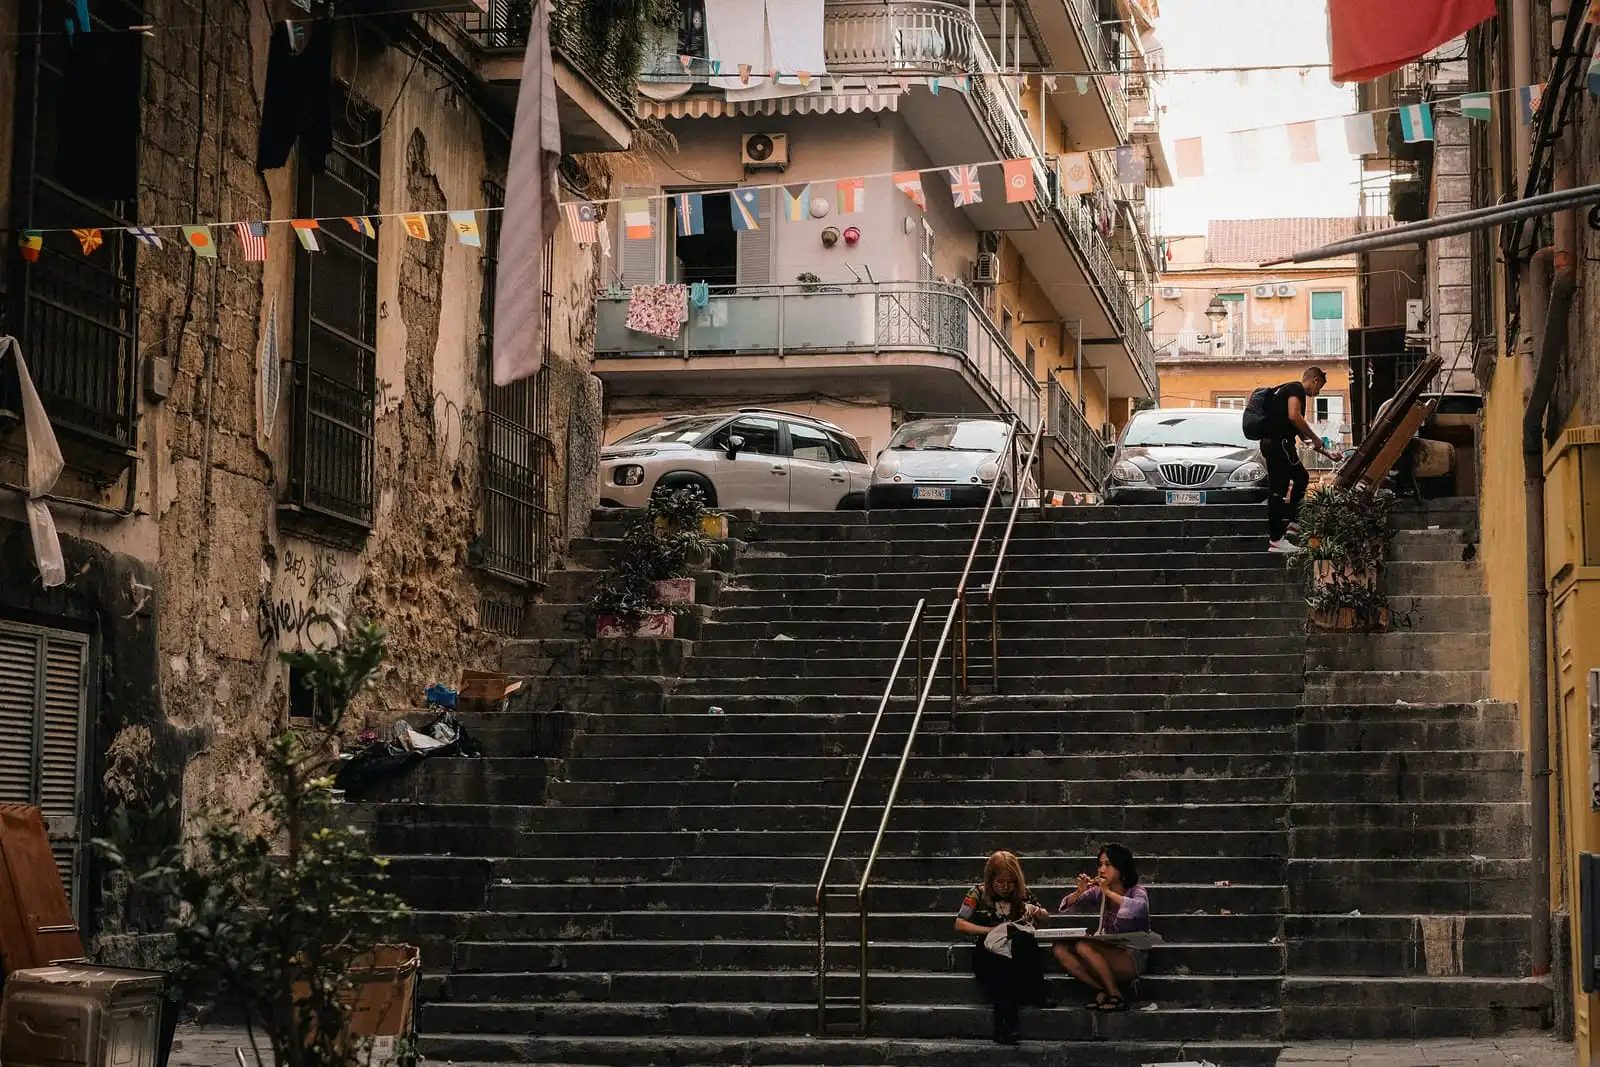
(382, 1003)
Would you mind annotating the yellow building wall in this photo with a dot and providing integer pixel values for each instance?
(1192, 387)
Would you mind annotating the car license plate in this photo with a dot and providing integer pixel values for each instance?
(921, 493)
(1185, 496)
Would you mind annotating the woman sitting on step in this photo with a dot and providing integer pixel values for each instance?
(1124, 910)
(1005, 957)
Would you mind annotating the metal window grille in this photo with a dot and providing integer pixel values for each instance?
(519, 503)
(76, 315)
(336, 328)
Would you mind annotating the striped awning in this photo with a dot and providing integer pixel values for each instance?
(704, 107)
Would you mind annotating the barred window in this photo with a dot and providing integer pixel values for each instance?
(75, 314)
(518, 458)
(336, 328)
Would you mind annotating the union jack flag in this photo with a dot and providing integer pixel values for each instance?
(583, 219)
(253, 239)
(965, 189)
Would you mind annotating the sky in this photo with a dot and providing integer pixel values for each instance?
(1234, 33)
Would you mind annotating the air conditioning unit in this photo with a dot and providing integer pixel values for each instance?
(986, 269)
(1265, 291)
(1284, 289)
(1171, 292)
(1416, 317)
(761, 151)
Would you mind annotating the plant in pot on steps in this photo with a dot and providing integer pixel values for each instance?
(1344, 534)
(645, 583)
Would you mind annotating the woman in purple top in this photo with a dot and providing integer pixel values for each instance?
(1124, 909)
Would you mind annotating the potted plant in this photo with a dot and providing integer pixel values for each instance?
(1345, 534)
(809, 282)
(645, 580)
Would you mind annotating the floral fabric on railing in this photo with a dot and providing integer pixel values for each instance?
(658, 310)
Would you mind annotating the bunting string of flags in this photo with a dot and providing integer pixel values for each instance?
(1192, 155)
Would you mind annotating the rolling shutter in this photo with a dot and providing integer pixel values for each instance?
(19, 681)
(756, 247)
(640, 257)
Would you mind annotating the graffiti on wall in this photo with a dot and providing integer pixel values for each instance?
(303, 607)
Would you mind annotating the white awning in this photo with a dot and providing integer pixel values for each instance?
(704, 107)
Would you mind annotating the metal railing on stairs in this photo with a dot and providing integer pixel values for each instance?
(959, 685)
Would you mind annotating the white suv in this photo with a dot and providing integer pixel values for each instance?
(755, 458)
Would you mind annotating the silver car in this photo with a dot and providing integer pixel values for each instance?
(949, 461)
(1187, 456)
(755, 458)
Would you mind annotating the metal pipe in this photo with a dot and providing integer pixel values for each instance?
(1521, 27)
(1003, 36)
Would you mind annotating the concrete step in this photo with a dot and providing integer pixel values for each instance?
(1422, 885)
(1416, 687)
(897, 717)
(1030, 673)
(1027, 539)
(1439, 614)
(1134, 611)
(1024, 584)
(1395, 651)
(887, 627)
(1026, 565)
(1448, 945)
(1141, 689)
(953, 744)
(1453, 732)
(1442, 545)
(1016, 643)
(1432, 578)
(1412, 1008)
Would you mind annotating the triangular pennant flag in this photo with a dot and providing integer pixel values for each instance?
(965, 187)
(1478, 106)
(199, 238)
(1416, 123)
(872, 85)
(905, 85)
(636, 222)
(691, 212)
(772, 75)
(1019, 181)
(1359, 136)
(796, 202)
(417, 226)
(465, 223)
(744, 73)
(933, 85)
(362, 224)
(835, 83)
(306, 230)
(851, 194)
(686, 61)
(962, 84)
(89, 239)
(746, 205)
(29, 242)
(1530, 96)
(910, 183)
(1049, 83)
(1303, 142)
(716, 66)
(1077, 175)
(804, 76)
(145, 236)
(1083, 85)
(1191, 157)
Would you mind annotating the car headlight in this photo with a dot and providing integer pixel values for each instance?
(1127, 472)
(628, 474)
(988, 470)
(1248, 472)
(888, 466)
(634, 453)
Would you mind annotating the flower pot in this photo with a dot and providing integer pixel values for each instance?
(660, 625)
(715, 526)
(670, 591)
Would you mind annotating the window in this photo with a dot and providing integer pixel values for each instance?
(1328, 336)
(43, 705)
(713, 255)
(1005, 324)
(847, 449)
(1323, 406)
(761, 436)
(1029, 357)
(336, 328)
(74, 314)
(1232, 403)
(810, 443)
(519, 506)
(1234, 331)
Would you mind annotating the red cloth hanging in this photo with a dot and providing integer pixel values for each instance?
(1373, 37)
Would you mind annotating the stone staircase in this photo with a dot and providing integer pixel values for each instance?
(629, 876)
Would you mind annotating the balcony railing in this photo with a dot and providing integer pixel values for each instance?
(1083, 445)
(576, 30)
(1255, 345)
(1102, 57)
(788, 320)
(1081, 224)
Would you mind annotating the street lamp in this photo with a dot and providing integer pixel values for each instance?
(1217, 312)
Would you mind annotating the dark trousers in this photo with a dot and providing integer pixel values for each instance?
(1010, 983)
(1286, 481)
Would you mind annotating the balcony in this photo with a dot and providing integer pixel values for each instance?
(1255, 346)
(1077, 458)
(1077, 40)
(1076, 215)
(888, 340)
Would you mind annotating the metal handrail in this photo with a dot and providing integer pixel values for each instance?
(914, 629)
(992, 590)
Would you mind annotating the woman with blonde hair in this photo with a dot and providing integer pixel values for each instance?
(1005, 957)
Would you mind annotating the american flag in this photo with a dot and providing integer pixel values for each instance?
(583, 218)
(253, 239)
(965, 188)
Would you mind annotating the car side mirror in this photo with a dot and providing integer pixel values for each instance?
(734, 444)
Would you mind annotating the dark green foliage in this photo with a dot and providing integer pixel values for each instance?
(667, 540)
(1348, 528)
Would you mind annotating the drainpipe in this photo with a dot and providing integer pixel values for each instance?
(1522, 74)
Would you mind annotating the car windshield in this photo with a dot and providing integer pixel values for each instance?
(1224, 429)
(682, 431)
(950, 435)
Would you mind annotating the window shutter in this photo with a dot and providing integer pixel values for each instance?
(640, 257)
(756, 247)
(61, 751)
(19, 673)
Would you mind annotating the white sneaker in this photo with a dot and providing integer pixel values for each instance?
(1283, 547)
(1294, 529)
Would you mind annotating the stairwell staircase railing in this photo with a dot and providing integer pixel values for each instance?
(925, 683)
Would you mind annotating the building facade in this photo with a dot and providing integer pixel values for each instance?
(255, 450)
(1225, 326)
(866, 308)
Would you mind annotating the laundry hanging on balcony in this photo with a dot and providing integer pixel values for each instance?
(658, 310)
(1372, 37)
(297, 103)
(772, 42)
(44, 466)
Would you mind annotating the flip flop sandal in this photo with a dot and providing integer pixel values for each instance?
(1111, 1004)
(1098, 1004)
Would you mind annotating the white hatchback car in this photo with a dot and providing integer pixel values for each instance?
(755, 458)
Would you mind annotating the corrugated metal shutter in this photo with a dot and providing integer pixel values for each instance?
(756, 247)
(43, 703)
(640, 257)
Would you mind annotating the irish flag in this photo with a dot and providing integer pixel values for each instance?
(1373, 37)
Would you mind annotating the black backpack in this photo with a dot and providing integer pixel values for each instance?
(1255, 413)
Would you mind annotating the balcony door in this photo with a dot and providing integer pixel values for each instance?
(1327, 324)
(1234, 332)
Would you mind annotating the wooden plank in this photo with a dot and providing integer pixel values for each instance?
(1385, 427)
(35, 891)
(1396, 444)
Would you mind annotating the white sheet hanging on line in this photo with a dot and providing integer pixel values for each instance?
(736, 34)
(44, 467)
(795, 29)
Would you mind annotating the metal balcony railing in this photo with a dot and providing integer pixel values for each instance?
(1290, 344)
(1067, 424)
(1081, 224)
(1102, 56)
(786, 320)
